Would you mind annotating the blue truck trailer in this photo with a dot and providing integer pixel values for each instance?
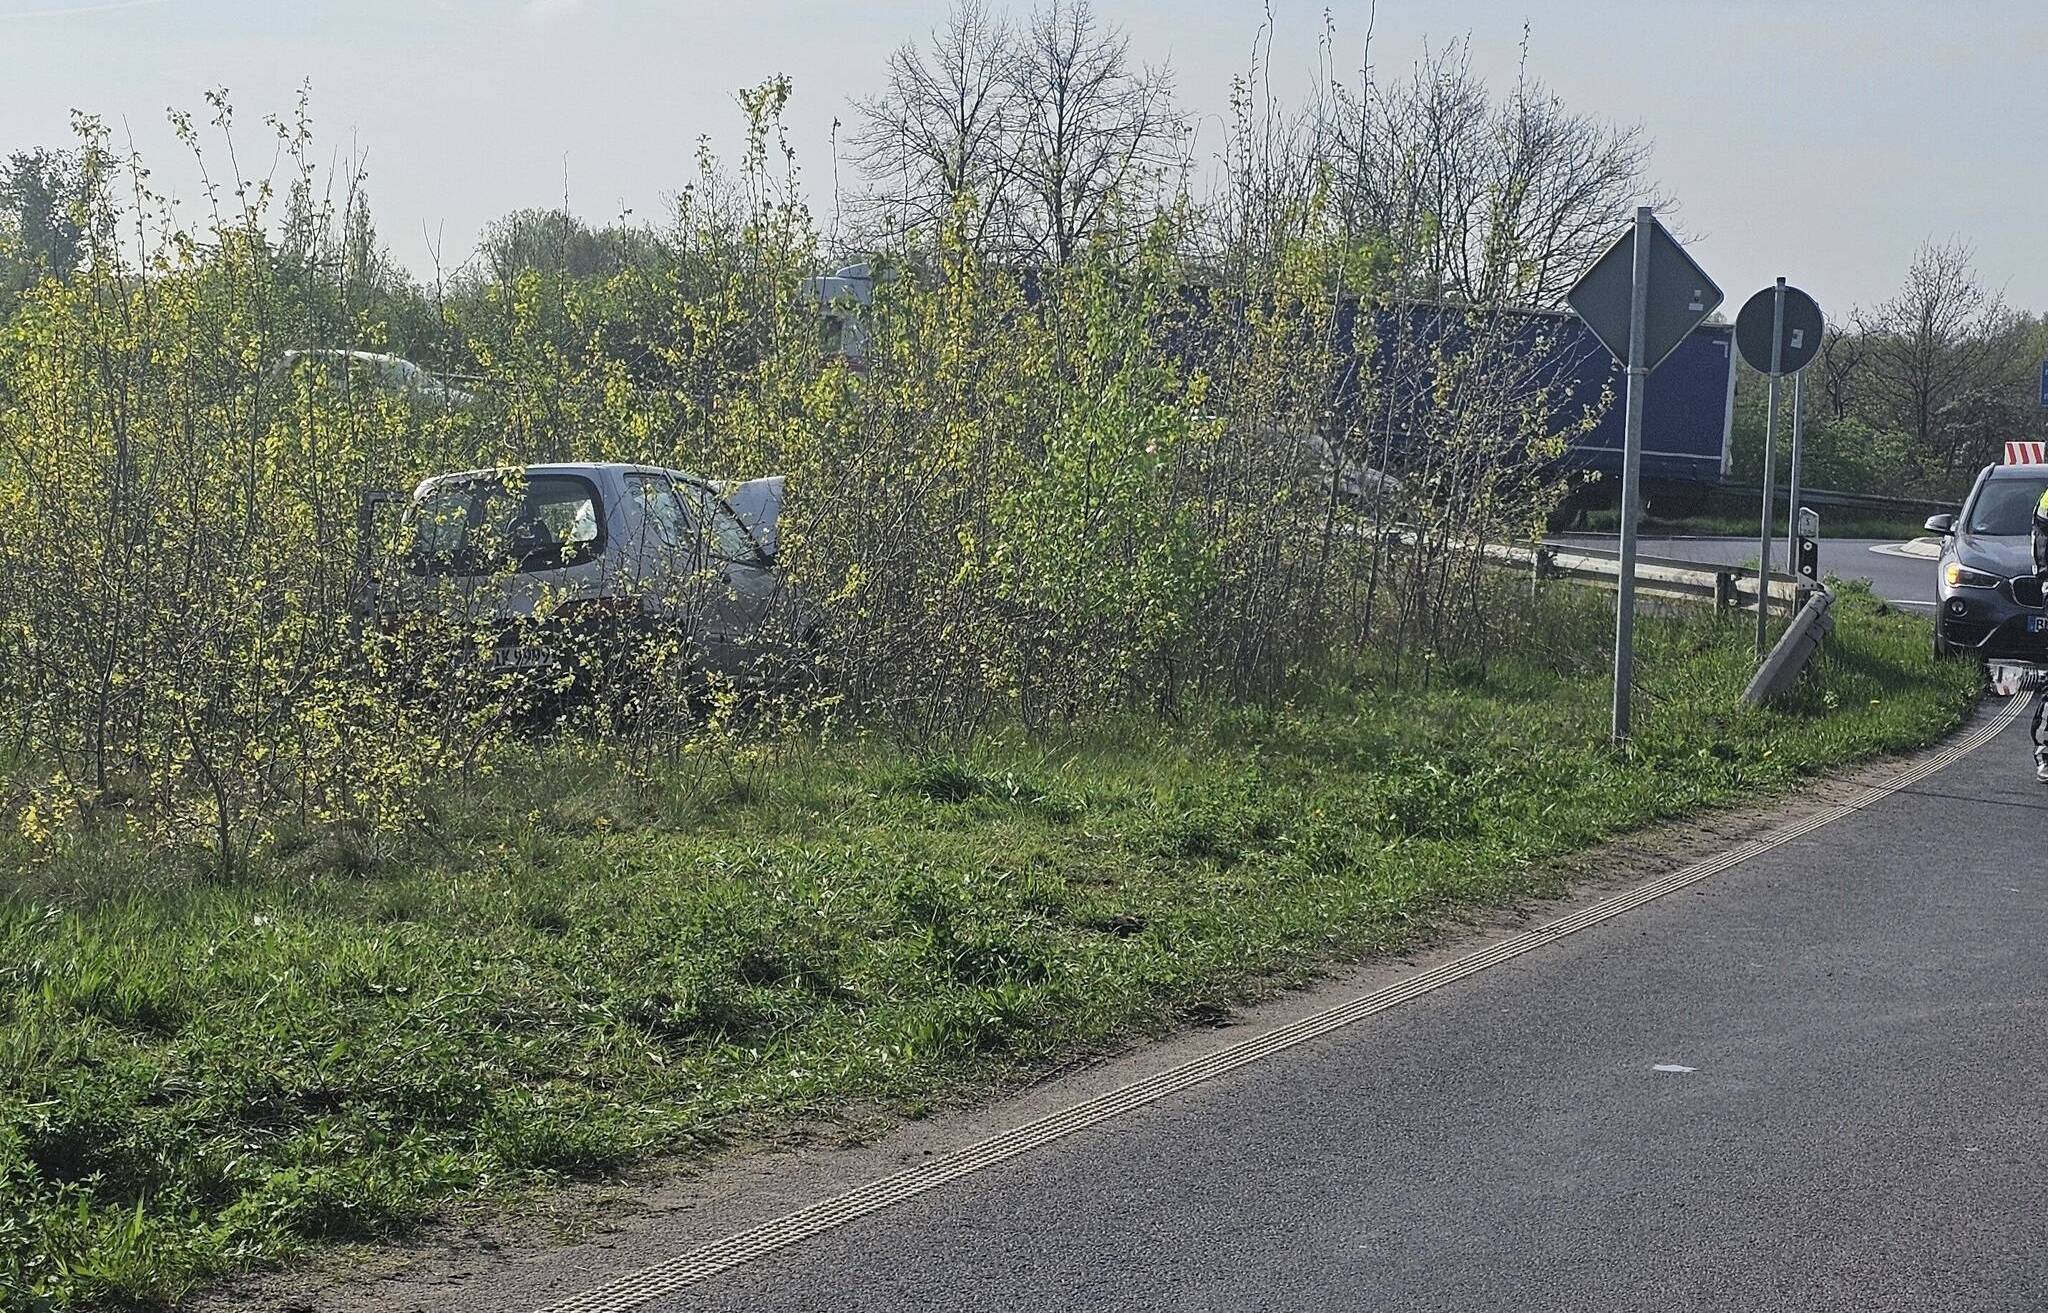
(1688, 413)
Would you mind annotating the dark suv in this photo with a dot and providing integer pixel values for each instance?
(1988, 598)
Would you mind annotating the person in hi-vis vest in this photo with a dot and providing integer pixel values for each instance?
(2041, 695)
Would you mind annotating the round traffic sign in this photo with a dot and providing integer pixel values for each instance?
(1803, 325)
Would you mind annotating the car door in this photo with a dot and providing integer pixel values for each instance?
(742, 580)
(665, 563)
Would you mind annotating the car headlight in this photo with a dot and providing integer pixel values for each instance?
(1958, 575)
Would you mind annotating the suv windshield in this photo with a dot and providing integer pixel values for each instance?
(2005, 507)
(485, 524)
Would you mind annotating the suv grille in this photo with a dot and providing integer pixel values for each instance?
(2026, 590)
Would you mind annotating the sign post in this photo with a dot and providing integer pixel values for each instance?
(1641, 299)
(1764, 534)
(1631, 477)
(1778, 332)
(1792, 479)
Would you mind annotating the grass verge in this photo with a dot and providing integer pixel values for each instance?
(587, 971)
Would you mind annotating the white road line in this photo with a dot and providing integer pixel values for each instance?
(699, 1265)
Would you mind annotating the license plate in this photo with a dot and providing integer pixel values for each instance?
(526, 656)
(2037, 624)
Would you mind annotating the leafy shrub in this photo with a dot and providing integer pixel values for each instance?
(1042, 500)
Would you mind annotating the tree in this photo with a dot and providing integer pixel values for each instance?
(1271, 162)
(1839, 370)
(43, 219)
(1487, 202)
(556, 241)
(936, 143)
(1092, 126)
(1938, 352)
(42, 191)
(1025, 144)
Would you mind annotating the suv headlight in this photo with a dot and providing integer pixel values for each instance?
(1958, 575)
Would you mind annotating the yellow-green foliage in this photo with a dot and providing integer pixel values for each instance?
(176, 563)
(1039, 496)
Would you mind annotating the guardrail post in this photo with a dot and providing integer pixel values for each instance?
(1724, 591)
(1539, 570)
(1795, 648)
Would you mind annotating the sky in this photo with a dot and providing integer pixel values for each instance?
(1820, 140)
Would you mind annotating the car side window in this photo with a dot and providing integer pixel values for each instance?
(659, 508)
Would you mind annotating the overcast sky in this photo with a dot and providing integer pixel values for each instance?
(1818, 139)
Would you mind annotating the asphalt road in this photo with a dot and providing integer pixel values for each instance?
(1817, 1081)
(1902, 580)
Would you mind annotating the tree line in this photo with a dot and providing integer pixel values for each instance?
(1913, 395)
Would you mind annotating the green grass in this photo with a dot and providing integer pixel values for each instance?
(580, 972)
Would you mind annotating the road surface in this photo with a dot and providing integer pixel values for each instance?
(1901, 580)
(1815, 1081)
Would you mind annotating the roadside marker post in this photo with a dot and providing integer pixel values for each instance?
(1641, 298)
(1806, 549)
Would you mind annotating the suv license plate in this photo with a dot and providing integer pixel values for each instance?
(2037, 624)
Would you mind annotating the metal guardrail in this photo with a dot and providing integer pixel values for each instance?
(1744, 497)
(1919, 507)
(1728, 587)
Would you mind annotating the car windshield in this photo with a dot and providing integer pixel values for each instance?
(2005, 507)
(730, 540)
(485, 524)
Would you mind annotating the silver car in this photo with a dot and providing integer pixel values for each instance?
(569, 571)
